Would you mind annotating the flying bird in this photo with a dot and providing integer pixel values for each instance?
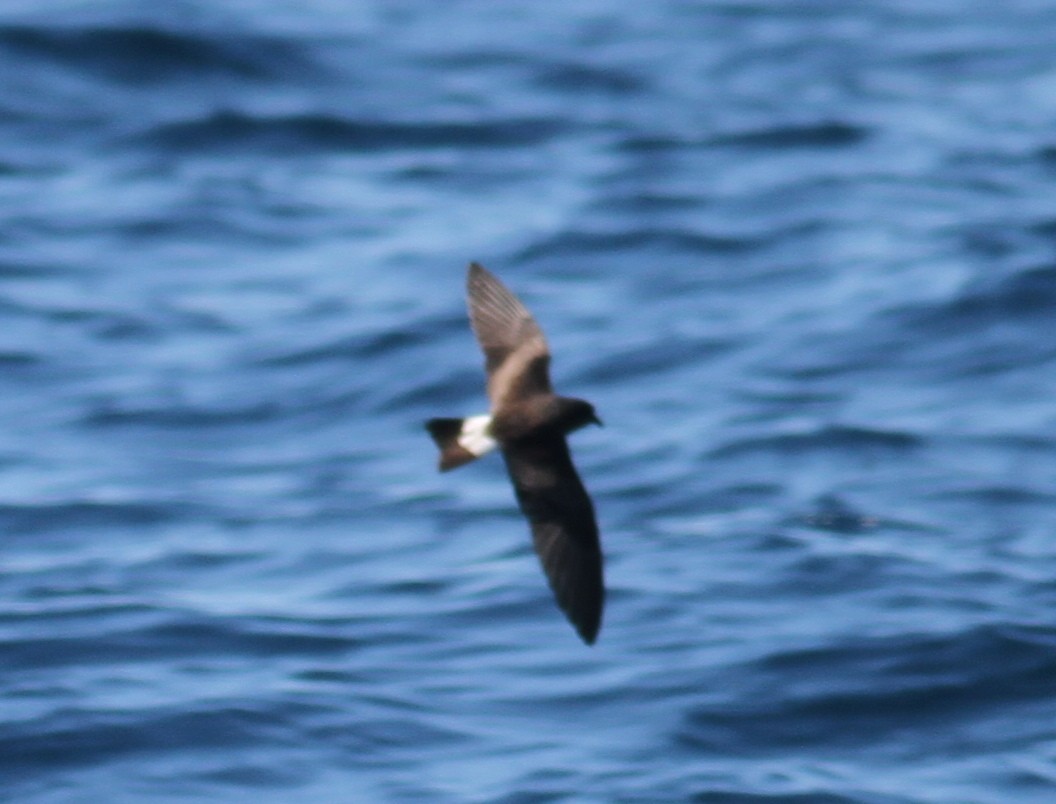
(528, 423)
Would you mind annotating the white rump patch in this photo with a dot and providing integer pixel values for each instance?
(474, 436)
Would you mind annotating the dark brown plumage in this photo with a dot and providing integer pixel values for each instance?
(529, 422)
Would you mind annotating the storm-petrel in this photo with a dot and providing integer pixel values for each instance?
(528, 422)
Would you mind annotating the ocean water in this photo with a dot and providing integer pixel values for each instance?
(801, 256)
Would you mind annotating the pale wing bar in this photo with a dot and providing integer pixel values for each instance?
(501, 323)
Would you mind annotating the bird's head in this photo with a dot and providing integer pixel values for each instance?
(576, 413)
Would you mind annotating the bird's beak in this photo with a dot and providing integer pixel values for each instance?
(597, 421)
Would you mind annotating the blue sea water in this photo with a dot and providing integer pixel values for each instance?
(801, 256)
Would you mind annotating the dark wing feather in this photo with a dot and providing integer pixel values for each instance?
(564, 530)
(515, 352)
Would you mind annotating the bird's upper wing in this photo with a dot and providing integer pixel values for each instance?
(564, 530)
(516, 355)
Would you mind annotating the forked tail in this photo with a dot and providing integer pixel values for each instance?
(461, 440)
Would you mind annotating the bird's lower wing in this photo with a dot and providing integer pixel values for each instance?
(564, 529)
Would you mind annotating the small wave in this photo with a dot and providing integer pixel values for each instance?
(76, 738)
(373, 345)
(651, 359)
(177, 416)
(724, 795)
(374, 737)
(834, 514)
(64, 516)
(22, 269)
(82, 603)
(821, 135)
(139, 55)
(1003, 496)
(1026, 295)
(238, 131)
(434, 392)
(169, 636)
(14, 360)
(571, 244)
(581, 78)
(649, 202)
(858, 693)
(833, 438)
(991, 328)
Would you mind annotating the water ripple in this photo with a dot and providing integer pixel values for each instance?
(801, 262)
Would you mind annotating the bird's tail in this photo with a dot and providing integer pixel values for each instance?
(461, 440)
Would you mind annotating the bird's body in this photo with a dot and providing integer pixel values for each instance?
(528, 422)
